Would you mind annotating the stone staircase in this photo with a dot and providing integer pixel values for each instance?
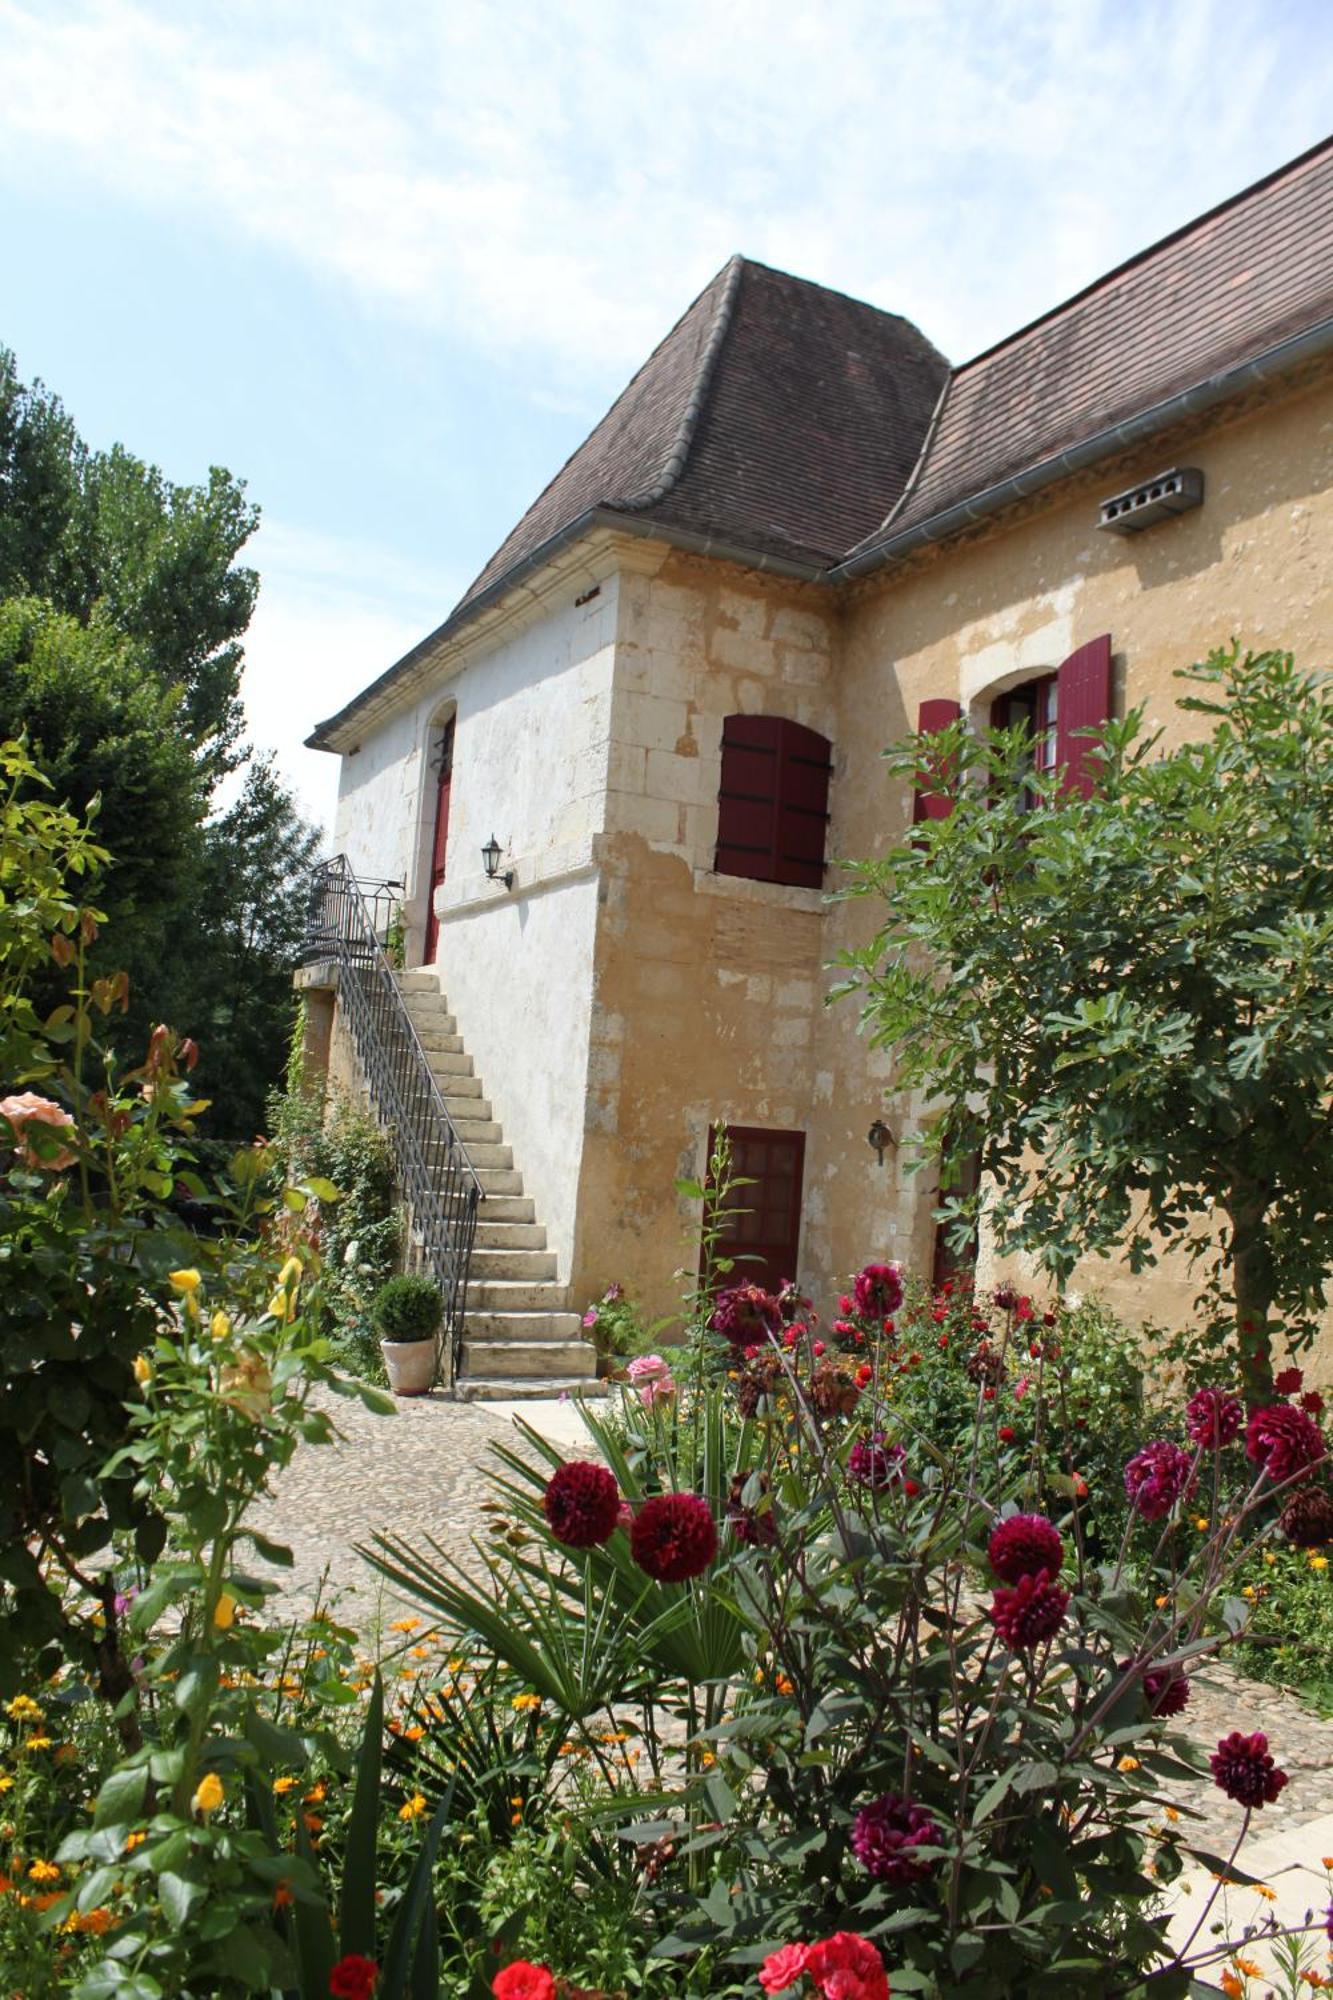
(519, 1336)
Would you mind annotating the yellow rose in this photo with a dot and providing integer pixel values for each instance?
(219, 1326)
(224, 1612)
(208, 1795)
(143, 1370)
(290, 1273)
(185, 1281)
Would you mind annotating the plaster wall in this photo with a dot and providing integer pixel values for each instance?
(1256, 561)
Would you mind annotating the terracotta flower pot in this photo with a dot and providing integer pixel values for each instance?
(410, 1365)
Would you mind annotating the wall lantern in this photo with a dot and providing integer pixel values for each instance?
(879, 1136)
(490, 861)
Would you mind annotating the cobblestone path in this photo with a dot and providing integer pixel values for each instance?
(422, 1473)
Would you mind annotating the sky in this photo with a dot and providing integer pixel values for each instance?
(390, 264)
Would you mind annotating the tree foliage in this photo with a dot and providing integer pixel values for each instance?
(1125, 1003)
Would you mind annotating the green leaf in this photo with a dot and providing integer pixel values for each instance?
(272, 1552)
(356, 1907)
(312, 1928)
(321, 1189)
(120, 1800)
(197, 1685)
(179, 1897)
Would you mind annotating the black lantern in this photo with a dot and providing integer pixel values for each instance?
(490, 861)
(879, 1136)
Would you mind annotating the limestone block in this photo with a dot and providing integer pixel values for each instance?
(803, 669)
(743, 651)
(657, 820)
(672, 777)
(747, 614)
(649, 720)
(791, 627)
(626, 768)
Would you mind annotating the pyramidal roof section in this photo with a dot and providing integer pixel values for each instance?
(777, 416)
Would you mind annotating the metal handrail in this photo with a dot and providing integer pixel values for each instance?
(436, 1177)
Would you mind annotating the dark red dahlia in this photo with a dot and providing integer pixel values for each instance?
(1165, 1690)
(746, 1316)
(878, 1290)
(1307, 1518)
(1024, 1544)
(886, 1835)
(1157, 1477)
(1288, 1382)
(353, 1977)
(1213, 1418)
(874, 1462)
(1285, 1442)
(582, 1504)
(985, 1364)
(1005, 1297)
(1244, 1770)
(1032, 1611)
(673, 1537)
(755, 1526)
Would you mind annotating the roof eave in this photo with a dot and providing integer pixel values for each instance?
(1309, 345)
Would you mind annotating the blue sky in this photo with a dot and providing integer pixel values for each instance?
(390, 264)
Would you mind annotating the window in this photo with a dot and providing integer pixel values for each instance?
(1035, 707)
(763, 1221)
(773, 801)
(949, 1260)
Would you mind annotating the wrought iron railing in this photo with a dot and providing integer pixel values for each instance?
(437, 1180)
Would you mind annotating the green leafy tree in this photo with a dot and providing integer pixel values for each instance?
(1125, 1002)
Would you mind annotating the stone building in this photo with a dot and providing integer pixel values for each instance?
(797, 535)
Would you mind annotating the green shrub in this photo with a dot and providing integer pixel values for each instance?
(408, 1308)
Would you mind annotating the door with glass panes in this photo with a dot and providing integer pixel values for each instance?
(762, 1226)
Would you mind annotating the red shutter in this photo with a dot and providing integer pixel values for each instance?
(934, 801)
(1083, 701)
(773, 801)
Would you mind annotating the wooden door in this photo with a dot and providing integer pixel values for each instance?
(444, 771)
(763, 1227)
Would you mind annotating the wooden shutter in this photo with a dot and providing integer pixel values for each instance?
(935, 801)
(773, 801)
(1083, 701)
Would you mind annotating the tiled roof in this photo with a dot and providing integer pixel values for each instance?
(1225, 288)
(776, 416)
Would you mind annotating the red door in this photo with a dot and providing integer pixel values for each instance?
(763, 1222)
(440, 839)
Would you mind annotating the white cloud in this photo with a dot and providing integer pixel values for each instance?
(557, 180)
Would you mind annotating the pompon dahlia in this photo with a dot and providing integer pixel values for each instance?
(1212, 1418)
(1157, 1477)
(582, 1504)
(1032, 1611)
(985, 1364)
(846, 1967)
(1165, 1690)
(746, 1316)
(1307, 1518)
(354, 1977)
(673, 1537)
(878, 1290)
(885, 1835)
(874, 1462)
(1245, 1771)
(1024, 1544)
(1285, 1442)
(781, 1969)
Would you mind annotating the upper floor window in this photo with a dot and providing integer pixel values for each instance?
(1034, 706)
(773, 801)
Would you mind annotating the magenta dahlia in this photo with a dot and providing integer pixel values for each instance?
(1165, 1690)
(1245, 1771)
(886, 1835)
(1157, 1477)
(874, 1462)
(673, 1537)
(746, 1316)
(1285, 1442)
(878, 1290)
(1212, 1418)
(1032, 1611)
(582, 1504)
(1024, 1544)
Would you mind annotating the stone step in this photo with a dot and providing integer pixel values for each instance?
(525, 1327)
(444, 1067)
(497, 1359)
(521, 1388)
(476, 1132)
(527, 1266)
(425, 1004)
(499, 1180)
(499, 1214)
(489, 1294)
(417, 982)
(488, 1155)
(465, 1089)
(438, 1035)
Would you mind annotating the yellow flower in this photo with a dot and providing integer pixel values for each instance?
(1128, 1764)
(6, 1781)
(405, 1625)
(1327, 1862)
(43, 1871)
(1201, 1522)
(290, 1274)
(1249, 1591)
(525, 1703)
(281, 1306)
(208, 1795)
(1248, 1967)
(133, 1840)
(413, 1807)
(315, 1796)
(38, 1743)
(143, 1370)
(1233, 1988)
(281, 1785)
(224, 1612)
(185, 1281)
(1172, 1815)
(219, 1326)
(23, 1709)
(1269, 1557)
(1269, 1896)
(1319, 1562)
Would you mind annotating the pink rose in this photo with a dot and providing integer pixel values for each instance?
(653, 1379)
(28, 1109)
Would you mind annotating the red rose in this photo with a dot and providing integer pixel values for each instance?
(1007, 1434)
(1312, 1403)
(1288, 1382)
(523, 1981)
(781, 1969)
(353, 1977)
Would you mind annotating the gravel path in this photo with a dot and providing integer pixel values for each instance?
(422, 1473)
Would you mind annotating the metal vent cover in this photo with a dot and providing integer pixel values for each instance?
(1173, 492)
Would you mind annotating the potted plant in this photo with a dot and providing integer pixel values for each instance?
(407, 1314)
